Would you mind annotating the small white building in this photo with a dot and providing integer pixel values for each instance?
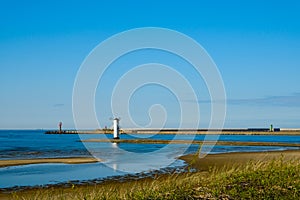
(116, 128)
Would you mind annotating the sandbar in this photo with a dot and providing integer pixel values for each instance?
(67, 160)
(229, 143)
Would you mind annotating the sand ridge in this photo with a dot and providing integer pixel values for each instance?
(66, 160)
(237, 159)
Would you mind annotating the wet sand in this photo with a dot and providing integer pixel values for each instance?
(228, 160)
(68, 160)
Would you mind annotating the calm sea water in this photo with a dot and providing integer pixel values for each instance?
(119, 159)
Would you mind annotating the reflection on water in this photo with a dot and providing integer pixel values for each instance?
(52, 173)
(114, 165)
(36, 144)
(44, 174)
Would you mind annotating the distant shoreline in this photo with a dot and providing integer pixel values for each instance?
(184, 132)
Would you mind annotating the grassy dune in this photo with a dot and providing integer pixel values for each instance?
(277, 178)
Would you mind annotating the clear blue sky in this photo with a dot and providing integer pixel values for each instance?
(255, 44)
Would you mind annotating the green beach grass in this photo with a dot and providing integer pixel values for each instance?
(276, 178)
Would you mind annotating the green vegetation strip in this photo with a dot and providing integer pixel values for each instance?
(275, 179)
(150, 141)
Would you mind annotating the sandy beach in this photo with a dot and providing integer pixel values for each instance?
(67, 160)
(231, 159)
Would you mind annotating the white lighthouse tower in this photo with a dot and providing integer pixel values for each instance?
(116, 128)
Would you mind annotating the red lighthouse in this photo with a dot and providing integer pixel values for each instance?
(59, 127)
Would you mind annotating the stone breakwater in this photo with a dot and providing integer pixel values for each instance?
(249, 131)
